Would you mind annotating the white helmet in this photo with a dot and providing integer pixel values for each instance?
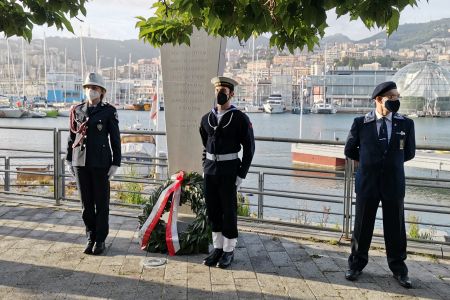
(94, 79)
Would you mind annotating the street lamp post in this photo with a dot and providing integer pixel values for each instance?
(301, 106)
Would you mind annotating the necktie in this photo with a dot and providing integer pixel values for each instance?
(383, 136)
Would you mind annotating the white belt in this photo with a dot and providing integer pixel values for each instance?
(221, 157)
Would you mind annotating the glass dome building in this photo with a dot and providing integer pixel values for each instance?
(425, 89)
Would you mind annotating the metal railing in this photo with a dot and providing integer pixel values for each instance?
(343, 199)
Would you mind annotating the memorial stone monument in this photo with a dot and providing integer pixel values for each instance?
(188, 95)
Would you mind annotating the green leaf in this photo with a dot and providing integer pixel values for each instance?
(392, 24)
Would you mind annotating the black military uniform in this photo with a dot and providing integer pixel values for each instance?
(94, 133)
(222, 168)
(380, 176)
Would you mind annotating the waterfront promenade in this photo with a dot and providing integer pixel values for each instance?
(41, 258)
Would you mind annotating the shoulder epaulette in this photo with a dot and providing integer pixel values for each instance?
(369, 117)
(399, 116)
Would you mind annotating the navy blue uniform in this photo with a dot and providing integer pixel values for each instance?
(380, 176)
(233, 132)
(92, 150)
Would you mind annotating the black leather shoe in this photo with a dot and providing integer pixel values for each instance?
(213, 258)
(352, 275)
(99, 248)
(226, 260)
(404, 281)
(88, 249)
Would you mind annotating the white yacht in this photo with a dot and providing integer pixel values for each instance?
(323, 108)
(274, 104)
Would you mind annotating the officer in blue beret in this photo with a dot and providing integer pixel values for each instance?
(224, 130)
(381, 141)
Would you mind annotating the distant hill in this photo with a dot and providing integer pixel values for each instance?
(262, 41)
(107, 49)
(408, 35)
(336, 38)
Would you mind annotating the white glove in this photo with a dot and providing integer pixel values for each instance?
(238, 182)
(112, 171)
(71, 169)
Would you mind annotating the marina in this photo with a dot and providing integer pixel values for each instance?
(291, 193)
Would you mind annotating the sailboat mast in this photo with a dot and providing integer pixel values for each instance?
(158, 139)
(23, 68)
(45, 68)
(13, 68)
(81, 61)
(96, 58)
(9, 65)
(115, 82)
(325, 74)
(301, 108)
(129, 78)
(65, 75)
(253, 68)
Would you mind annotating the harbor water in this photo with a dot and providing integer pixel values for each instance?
(429, 131)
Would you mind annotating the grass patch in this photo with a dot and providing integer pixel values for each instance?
(131, 193)
(243, 206)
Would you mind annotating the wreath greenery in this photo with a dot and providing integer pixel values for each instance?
(197, 236)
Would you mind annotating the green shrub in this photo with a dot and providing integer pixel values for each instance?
(243, 209)
(132, 190)
(413, 230)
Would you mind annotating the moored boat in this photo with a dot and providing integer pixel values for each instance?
(296, 110)
(323, 108)
(254, 108)
(137, 148)
(9, 112)
(274, 104)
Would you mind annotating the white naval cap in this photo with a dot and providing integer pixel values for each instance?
(224, 81)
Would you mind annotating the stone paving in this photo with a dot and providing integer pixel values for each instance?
(41, 258)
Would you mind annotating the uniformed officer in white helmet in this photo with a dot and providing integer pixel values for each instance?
(224, 130)
(93, 154)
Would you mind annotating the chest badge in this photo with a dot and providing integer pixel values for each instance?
(100, 126)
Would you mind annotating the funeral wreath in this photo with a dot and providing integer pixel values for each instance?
(159, 236)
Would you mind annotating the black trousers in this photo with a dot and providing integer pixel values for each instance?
(393, 228)
(221, 204)
(93, 185)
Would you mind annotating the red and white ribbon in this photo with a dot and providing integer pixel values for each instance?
(172, 241)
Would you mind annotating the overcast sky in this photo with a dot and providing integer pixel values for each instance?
(115, 19)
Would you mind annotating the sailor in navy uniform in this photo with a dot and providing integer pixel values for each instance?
(224, 131)
(94, 154)
(381, 141)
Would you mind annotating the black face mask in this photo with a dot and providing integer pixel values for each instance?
(392, 105)
(222, 98)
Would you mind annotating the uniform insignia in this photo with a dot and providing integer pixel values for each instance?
(401, 133)
(116, 115)
(400, 117)
(369, 117)
(99, 126)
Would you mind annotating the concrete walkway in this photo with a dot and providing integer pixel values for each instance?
(41, 258)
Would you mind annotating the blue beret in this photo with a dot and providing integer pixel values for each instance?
(383, 88)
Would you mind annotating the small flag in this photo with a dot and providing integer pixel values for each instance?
(154, 110)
